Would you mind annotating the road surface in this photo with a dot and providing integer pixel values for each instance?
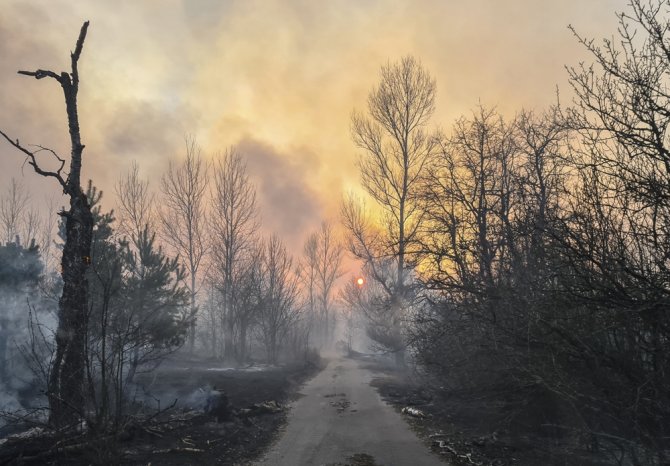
(341, 415)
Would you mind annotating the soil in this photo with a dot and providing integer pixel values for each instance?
(188, 432)
(486, 428)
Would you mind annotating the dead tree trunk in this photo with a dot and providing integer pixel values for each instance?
(66, 381)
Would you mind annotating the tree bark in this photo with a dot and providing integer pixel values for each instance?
(66, 379)
(66, 387)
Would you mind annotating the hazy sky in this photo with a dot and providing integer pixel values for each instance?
(278, 79)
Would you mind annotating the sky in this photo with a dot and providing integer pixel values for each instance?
(276, 79)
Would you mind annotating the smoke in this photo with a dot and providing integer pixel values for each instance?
(289, 206)
(201, 398)
(25, 334)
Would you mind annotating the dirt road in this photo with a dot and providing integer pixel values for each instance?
(342, 420)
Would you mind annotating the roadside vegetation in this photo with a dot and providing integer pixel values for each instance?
(516, 266)
(523, 260)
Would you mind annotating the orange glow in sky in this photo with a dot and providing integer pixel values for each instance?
(278, 79)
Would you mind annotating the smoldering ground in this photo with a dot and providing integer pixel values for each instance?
(26, 331)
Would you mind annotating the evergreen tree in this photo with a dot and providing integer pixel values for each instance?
(138, 311)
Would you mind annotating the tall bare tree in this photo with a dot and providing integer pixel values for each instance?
(322, 262)
(329, 270)
(234, 222)
(396, 148)
(66, 383)
(280, 291)
(248, 298)
(182, 215)
(308, 275)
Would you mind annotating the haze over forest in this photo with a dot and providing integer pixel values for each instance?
(285, 232)
(278, 79)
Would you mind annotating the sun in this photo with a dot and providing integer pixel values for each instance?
(360, 281)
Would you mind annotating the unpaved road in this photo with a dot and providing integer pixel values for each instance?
(341, 415)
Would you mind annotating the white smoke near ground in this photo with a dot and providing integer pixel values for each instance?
(27, 321)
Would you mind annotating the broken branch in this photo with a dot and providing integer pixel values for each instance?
(39, 74)
(33, 161)
(77, 52)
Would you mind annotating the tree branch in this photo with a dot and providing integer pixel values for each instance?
(39, 74)
(77, 52)
(33, 161)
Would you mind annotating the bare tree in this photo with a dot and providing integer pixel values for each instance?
(365, 240)
(280, 292)
(469, 194)
(369, 303)
(308, 275)
(22, 223)
(379, 302)
(320, 269)
(135, 204)
(145, 262)
(13, 207)
(233, 227)
(210, 316)
(396, 149)
(248, 299)
(66, 384)
(618, 236)
(352, 298)
(329, 265)
(46, 236)
(182, 216)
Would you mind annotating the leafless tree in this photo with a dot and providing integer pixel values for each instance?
(209, 332)
(66, 384)
(329, 264)
(13, 207)
(248, 299)
(233, 226)
(397, 148)
(46, 235)
(619, 234)
(135, 204)
(352, 298)
(182, 216)
(368, 304)
(470, 193)
(322, 262)
(379, 303)
(308, 275)
(546, 245)
(365, 240)
(280, 310)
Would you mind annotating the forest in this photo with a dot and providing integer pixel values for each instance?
(522, 259)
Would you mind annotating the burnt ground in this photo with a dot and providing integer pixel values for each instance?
(188, 433)
(486, 427)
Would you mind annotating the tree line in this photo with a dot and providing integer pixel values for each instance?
(530, 253)
(526, 252)
(185, 266)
